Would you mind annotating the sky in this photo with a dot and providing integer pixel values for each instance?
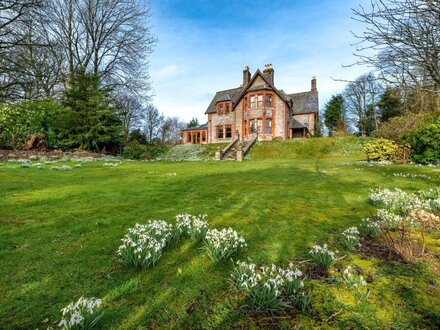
(205, 44)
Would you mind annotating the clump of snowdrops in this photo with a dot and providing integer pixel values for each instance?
(351, 237)
(223, 244)
(322, 256)
(82, 314)
(270, 289)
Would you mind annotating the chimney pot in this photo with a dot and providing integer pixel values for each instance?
(314, 84)
(246, 76)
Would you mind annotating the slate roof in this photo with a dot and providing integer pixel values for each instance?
(200, 127)
(296, 124)
(226, 95)
(304, 102)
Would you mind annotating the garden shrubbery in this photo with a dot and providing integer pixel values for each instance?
(425, 143)
(381, 150)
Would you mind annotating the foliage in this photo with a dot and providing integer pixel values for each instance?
(223, 244)
(269, 289)
(89, 122)
(380, 150)
(194, 122)
(425, 143)
(18, 121)
(399, 128)
(390, 104)
(137, 135)
(333, 113)
(81, 315)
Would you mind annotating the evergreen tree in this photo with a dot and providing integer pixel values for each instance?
(89, 122)
(390, 104)
(333, 114)
(193, 123)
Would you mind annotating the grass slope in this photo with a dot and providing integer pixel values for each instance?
(59, 232)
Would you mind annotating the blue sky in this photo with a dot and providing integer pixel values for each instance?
(204, 45)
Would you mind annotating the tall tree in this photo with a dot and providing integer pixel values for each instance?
(334, 113)
(361, 98)
(401, 40)
(194, 122)
(153, 123)
(89, 122)
(390, 104)
(171, 130)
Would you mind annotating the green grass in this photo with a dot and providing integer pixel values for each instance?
(60, 231)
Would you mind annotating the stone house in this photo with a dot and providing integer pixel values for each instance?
(257, 107)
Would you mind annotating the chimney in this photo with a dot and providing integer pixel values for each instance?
(269, 73)
(314, 88)
(246, 76)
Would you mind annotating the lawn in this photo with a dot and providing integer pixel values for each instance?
(60, 232)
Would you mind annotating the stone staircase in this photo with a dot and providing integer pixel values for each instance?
(236, 150)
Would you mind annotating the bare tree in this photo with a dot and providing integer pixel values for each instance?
(153, 123)
(130, 111)
(361, 97)
(401, 40)
(171, 130)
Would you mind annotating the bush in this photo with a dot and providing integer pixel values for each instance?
(18, 121)
(425, 143)
(398, 128)
(381, 149)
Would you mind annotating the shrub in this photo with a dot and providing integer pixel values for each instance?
(270, 289)
(425, 144)
(322, 256)
(135, 150)
(18, 121)
(82, 314)
(398, 128)
(350, 237)
(380, 150)
(223, 244)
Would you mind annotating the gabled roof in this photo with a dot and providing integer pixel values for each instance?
(226, 95)
(270, 85)
(305, 102)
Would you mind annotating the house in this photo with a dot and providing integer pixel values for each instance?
(257, 107)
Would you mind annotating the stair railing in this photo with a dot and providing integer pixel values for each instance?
(249, 146)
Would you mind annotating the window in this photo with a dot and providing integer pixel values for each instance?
(220, 109)
(252, 102)
(252, 125)
(189, 137)
(268, 101)
(259, 125)
(220, 132)
(228, 132)
(203, 137)
(226, 109)
(268, 126)
(260, 101)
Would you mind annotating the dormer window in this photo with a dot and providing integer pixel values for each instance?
(226, 109)
(220, 109)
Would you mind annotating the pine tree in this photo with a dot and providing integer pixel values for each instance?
(333, 114)
(89, 122)
(390, 104)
